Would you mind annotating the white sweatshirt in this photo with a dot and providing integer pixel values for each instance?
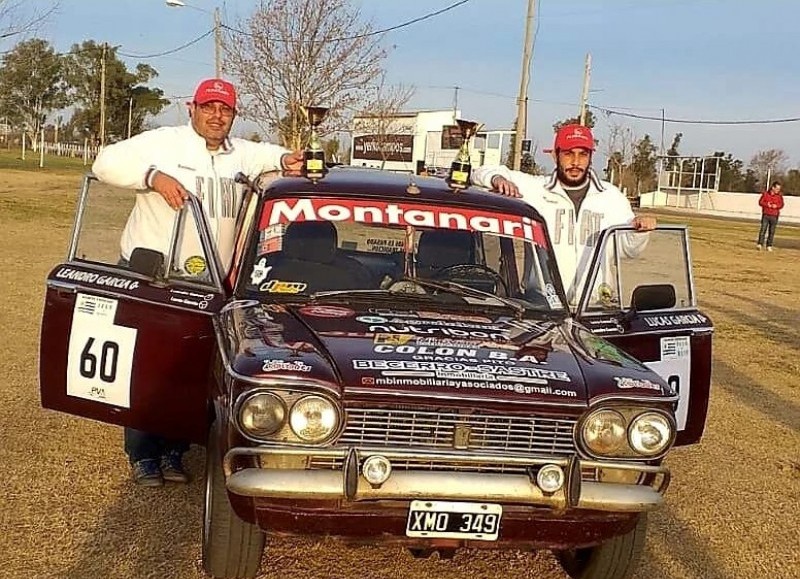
(181, 153)
(573, 236)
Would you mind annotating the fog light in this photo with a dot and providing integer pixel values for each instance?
(376, 470)
(550, 478)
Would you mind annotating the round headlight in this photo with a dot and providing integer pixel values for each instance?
(262, 414)
(376, 469)
(313, 418)
(604, 432)
(650, 433)
(550, 478)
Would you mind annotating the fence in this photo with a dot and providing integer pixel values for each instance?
(722, 203)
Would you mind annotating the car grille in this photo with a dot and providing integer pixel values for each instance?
(447, 430)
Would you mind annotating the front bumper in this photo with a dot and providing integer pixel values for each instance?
(451, 482)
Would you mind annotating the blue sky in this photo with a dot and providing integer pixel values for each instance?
(696, 59)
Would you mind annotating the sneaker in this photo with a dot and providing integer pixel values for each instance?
(146, 473)
(758, 247)
(769, 248)
(172, 468)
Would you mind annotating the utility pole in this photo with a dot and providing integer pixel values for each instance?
(217, 43)
(103, 96)
(455, 103)
(522, 99)
(130, 116)
(587, 74)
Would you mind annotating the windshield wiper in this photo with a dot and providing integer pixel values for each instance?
(366, 293)
(465, 290)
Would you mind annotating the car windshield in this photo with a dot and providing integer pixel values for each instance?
(324, 247)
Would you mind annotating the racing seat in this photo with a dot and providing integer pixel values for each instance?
(438, 249)
(310, 255)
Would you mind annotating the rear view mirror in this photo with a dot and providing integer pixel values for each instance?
(148, 262)
(653, 297)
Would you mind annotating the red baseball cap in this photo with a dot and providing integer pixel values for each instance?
(574, 137)
(215, 89)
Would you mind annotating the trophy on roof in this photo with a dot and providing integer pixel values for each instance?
(461, 167)
(314, 155)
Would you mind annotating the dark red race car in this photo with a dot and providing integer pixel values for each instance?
(389, 360)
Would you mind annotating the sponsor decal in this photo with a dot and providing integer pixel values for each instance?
(327, 312)
(394, 339)
(271, 239)
(97, 279)
(627, 383)
(676, 320)
(284, 366)
(378, 245)
(260, 272)
(490, 372)
(674, 347)
(371, 319)
(284, 211)
(500, 336)
(190, 298)
(517, 387)
(276, 286)
(194, 265)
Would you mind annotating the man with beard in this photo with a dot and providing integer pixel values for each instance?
(574, 202)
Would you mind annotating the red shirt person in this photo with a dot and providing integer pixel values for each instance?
(771, 203)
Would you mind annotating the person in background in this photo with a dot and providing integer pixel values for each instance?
(574, 202)
(163, 165)
(771, 203)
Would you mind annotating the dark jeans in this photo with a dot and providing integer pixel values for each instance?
(768, 223)
(141, 445)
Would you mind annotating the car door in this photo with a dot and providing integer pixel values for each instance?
(639, 294)
(131, 343)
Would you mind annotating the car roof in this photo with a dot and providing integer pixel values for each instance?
(387, 185)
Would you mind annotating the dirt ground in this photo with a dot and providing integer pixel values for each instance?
(68, 509)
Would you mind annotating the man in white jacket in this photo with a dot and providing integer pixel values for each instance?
(163, 166)
(575, 204)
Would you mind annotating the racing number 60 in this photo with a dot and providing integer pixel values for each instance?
(109, 357)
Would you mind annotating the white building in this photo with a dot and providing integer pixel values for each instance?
(405, 140)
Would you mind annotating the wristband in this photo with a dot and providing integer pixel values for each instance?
(149, 175)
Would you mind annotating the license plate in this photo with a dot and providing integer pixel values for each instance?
(474, 521)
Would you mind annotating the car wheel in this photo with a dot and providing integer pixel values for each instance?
(232, 548)
(617, 558)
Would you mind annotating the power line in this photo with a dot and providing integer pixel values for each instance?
(697, 121)
(366, 34)
(171, 51)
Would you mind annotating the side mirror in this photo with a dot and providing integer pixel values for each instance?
(653, 297)
(147, 262)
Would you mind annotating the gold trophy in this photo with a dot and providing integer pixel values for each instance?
(314, 156)
(462, 167)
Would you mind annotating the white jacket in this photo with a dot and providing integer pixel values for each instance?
(573, 236)
(181, 153)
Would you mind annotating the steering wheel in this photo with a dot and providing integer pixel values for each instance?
(466, 270)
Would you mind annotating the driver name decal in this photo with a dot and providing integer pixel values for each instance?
(401, 214)
(96, 278)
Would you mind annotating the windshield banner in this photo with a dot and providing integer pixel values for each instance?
(401, 214)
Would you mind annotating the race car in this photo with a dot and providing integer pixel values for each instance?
(389, 360)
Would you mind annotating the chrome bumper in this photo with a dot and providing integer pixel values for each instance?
(348, 484)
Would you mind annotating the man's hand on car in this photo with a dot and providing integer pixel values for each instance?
(644, 223)
(292, 163)
(170, 189)
(505, 187)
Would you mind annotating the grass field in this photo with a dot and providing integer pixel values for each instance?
(68, 509)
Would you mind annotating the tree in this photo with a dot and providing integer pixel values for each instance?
(673, 152)
(31, 85)
(619, 151)
(768, 164)
(12, 21)
(590, 121)
(126, 91)
(643, 164)
(791, 182)
(732, 176)
(294, 53)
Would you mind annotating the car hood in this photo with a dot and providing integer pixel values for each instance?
(381, 352)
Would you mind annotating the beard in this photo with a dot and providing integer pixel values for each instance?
(569, 181)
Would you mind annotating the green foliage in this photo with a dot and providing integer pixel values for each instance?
(31, 84)
(643, 165)
(673, 151)
(83, 73)
(590, 121)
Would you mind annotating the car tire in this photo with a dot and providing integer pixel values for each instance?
(232, 548)
(617, 558)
